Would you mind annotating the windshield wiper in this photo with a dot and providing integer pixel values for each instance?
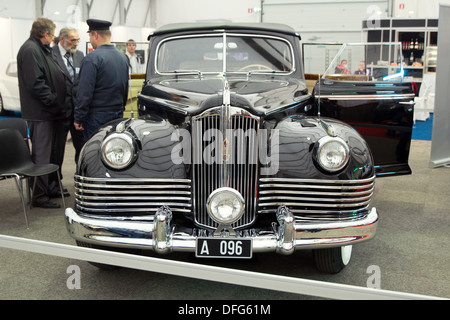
(185, 71)
(262, 71)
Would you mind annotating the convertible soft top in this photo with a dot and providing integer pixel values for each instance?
(181, 27)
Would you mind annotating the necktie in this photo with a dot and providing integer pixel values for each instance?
(70, 67)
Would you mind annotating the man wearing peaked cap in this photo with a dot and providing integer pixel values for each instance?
(98, 25)
(103, 85)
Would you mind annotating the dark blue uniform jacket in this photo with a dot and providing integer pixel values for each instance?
(103, 82)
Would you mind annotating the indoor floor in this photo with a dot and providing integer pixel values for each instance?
(411, 249)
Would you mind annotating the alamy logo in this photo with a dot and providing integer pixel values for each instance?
(74, 280)
(238, 146)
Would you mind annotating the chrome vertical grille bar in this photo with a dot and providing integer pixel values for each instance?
(242, 167)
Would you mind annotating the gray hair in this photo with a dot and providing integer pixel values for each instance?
(65, 32)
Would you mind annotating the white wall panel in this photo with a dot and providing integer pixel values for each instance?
(138, 13)
(18, 9)
(336, 21)
(173, 11)
(422, 9)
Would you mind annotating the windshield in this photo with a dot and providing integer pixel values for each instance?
(243, 53)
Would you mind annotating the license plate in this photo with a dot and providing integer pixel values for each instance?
(224, 248)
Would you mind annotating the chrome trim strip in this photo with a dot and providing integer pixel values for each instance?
(129, 198)
(316, 199)
(316, 181)
(312, 204)
(133, 192)
(132, 180)
(367, 97)
(132, 205)
(128, 210)
(343, 194)
(294, 186)
(131, 195)
(137, 186)
(316, 214)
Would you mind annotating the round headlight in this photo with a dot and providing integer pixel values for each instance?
(118, 150)
(332, 153)
(225, 205)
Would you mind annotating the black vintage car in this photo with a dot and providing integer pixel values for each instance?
(232, 155)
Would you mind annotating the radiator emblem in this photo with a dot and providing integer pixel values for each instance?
(226, 150)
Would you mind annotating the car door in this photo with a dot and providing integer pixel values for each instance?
(382, 112)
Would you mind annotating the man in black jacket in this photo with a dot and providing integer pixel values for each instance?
(69, 59)
(42, 87)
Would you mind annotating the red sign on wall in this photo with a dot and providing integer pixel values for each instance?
(401, 6)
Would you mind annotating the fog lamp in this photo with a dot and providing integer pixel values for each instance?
(118, 150)
(332, 153)
(225, 205)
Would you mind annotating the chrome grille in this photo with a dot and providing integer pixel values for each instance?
(316, 199)
(131, 196)
(240, 171)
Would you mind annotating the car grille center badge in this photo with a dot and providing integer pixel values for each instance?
(226, 150)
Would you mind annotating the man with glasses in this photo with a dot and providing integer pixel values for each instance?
(42, 87)
(69, 59)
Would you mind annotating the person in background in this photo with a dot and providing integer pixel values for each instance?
(103, 86)
(134, 60)
(42, 92)
(69, 59)
(342, 68)
(361, 69)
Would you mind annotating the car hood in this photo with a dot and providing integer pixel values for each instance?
(192, 96)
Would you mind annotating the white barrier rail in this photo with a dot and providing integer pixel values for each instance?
(210, 273)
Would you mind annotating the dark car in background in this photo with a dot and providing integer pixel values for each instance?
(232, 155)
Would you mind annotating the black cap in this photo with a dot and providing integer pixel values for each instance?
(98, 25)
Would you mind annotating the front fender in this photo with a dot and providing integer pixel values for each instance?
(155, 146)
(297, 139)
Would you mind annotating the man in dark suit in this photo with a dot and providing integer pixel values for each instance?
(69, 59)
(42, 97)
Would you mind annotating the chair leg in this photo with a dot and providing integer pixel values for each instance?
(27, 188)
(19, 188)
(27, 184)
(61, 189)
(32, 192)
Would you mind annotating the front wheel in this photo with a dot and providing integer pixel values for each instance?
(332, 260)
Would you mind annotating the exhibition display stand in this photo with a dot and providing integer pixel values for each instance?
(440, 148)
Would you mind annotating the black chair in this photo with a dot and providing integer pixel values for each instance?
(16, 163)
(20, 125)
(16, 123)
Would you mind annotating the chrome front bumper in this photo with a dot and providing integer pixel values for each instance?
(155, 233)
